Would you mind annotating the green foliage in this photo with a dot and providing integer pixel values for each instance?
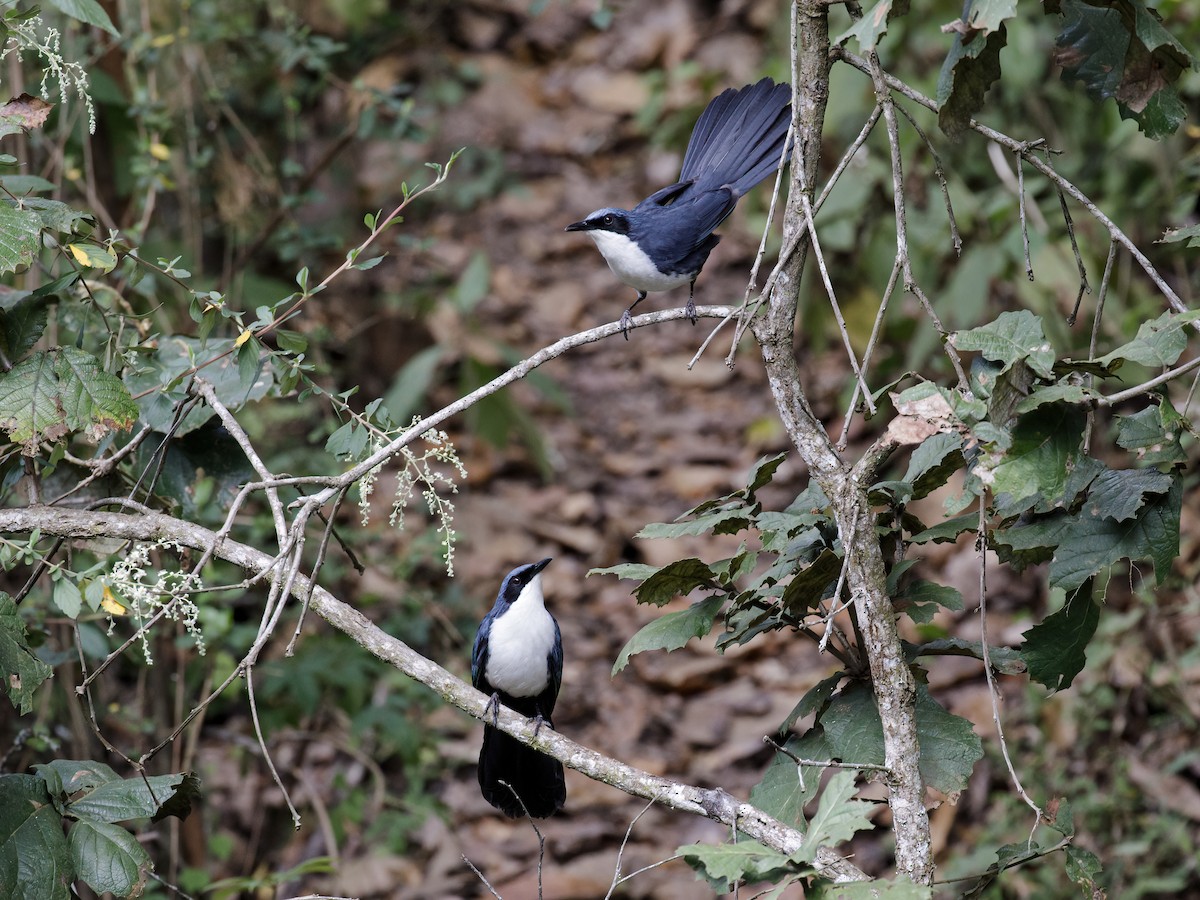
(25, 672)
(37, 859)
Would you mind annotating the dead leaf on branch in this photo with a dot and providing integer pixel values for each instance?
(26, 110)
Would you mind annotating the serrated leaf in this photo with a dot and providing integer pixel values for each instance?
(925, 598)
(135, 798)
(174, 356)
(1153, 434)
(627, 571)
(838, 817)
(730, 520)
(1119, 493)
(1004, 660)
(873, 24)
(947, 531)
(1118, 49)
(1045, 445)
(1084, 868)
(75, 775)
(23, 671)
(677, 579)
(724, 865)
(1013, 337)
(1056, 393)
(780, 793)
(949, 746)
(91, 399)
(34, 858)
(89, 12)
(1158, 343)
(20, 237)
(762, 473)
(108, 858)
(811, 584)
(933, 462)
(876, 889)
(57, 216)
(1055, 650)
(21, 325)
(673, 630)
(30, 407)
(1085, 544)
(1191, 234)
(969, 70)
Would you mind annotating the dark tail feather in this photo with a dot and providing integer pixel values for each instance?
(535, 777)
(739, 138)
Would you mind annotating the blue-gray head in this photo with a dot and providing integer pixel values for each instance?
(520, 578)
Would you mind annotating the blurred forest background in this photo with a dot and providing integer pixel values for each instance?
(249, 140)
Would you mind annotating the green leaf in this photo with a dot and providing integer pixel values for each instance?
(89, 12)
(1083, 867)
(74, 775)
(138, 798)
(58, 216)
(924, 598)
(1191, 234)
(91, 398)
(1013, 337)
(838, 817)
(724, 865)
(1055, 650)
(1004, 660)
(177, 354)
(474, 282)
(21, 325)
(1045, 445)
(1119, 494)
(969, 70)
(67, 598)
(779, 793)
(873, 24)
(1118, 49)
(28, 411)
(1056, 393)
(1153, 434)
(93, 256)
(1158, 343)
(627, 571)
(20, 237)
(672, 631)
(109, 858)
(811, 584)
(677, 579)
(729, 521)
(34, 857)
(947, 531)
(23, 671)
(1089, 542)
(933, 463)
(949, 746)
(411, 384)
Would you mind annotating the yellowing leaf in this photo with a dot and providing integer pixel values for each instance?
(160, 151)
(242, 338)
(94, 257)
(110, 604)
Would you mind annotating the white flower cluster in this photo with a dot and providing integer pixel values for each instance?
(23, 36)
(148, 592)
(421, 470)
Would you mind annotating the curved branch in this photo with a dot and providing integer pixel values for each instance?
(713, 803)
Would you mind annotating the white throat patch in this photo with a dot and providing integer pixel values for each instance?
(631, 264)
(520, 643)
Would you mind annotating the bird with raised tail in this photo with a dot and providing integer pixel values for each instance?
(664, 241)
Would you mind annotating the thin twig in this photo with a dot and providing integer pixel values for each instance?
(993, 691)
(480, 876)
(262, 742)
(940, 174)
(1084, 288)
(617, 879)
(1091, 379)
(876, 331)
(833, 302)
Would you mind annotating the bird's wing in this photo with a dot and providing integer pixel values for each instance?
(665, 196)
(708, 210)
(554, 663)
(479, 653)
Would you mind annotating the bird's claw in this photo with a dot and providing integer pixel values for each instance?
(493, 705)
(538, 722)
(626, 321)
(690, 310)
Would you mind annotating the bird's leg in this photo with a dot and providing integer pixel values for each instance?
(690, 309)
(493, 706)
(538, 722)
(626, 318)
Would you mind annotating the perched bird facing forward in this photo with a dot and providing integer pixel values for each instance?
(518, 660)
(663, 242)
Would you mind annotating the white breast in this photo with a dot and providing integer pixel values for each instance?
(519, 644)
(631, 264)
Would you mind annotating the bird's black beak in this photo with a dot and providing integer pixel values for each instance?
(578, 226)
(538, 566)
